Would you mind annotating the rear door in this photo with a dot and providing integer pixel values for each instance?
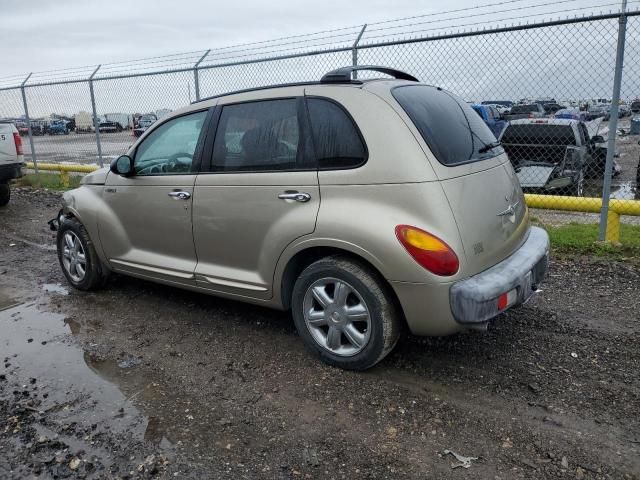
(477, 178)
(260, 193)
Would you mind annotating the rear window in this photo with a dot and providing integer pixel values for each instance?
(524, 109)
(450, 127)
(538, 134)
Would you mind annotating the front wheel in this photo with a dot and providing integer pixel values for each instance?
(345, 313)
(5, 194)
(77, 256)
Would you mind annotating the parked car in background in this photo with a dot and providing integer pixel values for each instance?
(123, 119)
(144, 122)
(624, 110)
(490, 115)
(503, 106)
(552, 108)
(547, 155)
(528, 110)
(500, 108)
(109, 126)
(572, 114)
(39, 127)
(504, 103)
(23, 128)
(223, 196)
(11, 159)
(635, 107)
(600, 111)
(58, 127)
(555, 155)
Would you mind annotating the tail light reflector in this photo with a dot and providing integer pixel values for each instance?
(428, 250)
(18, 141)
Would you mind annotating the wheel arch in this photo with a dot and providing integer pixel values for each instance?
(305, 256)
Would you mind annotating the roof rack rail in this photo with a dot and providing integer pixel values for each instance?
(343, 75)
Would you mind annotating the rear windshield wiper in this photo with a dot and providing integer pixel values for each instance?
(489, 146)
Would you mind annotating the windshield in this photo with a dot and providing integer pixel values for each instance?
(450, 127)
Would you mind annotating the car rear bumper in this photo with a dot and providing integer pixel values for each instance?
(12, 170)
(477, 299)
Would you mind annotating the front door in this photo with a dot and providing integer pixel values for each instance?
(147, 229)
(260, 194)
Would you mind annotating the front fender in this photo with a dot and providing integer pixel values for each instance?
(85, 203)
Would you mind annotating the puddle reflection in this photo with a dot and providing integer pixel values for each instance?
(79, 387)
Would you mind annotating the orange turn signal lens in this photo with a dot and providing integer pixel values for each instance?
(428, 250)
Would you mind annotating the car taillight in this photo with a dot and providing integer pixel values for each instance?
(18, 141)
(428, 250)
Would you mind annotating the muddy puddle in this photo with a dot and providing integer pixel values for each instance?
(68, 385)
(7, 302)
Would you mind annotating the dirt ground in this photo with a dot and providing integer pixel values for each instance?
(144, 381)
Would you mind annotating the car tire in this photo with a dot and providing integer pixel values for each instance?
(577, 190)
(345, 313)
(77, 256)
(5, 194)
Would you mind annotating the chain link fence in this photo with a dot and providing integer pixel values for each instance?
(545, 90)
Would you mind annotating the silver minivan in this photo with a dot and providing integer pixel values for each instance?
(363, 206)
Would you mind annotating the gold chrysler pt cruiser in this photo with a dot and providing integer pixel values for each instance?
(360, 205)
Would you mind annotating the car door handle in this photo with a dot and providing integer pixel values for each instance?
(181, 195)
(297, 196)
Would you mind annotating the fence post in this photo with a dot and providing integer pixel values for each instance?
(28, 119)
(96, 123)
(196, 77)
(354, 50)
(613, 125)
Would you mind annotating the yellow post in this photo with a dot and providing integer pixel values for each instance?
(613, 227)
(64, 177)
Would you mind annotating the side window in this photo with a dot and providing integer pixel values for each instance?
(335, 137)
(261, 135)
(170, 148)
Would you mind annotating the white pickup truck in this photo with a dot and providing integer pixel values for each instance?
(11, 159)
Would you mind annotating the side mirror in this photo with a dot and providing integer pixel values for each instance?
(123, 165)
(597, 139)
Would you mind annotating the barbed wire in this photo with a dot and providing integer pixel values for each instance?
(336, 38)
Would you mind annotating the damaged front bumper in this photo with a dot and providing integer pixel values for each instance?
(54, 223)
(511, 282)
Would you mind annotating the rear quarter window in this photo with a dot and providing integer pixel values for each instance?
(337, 141)
(454, 132)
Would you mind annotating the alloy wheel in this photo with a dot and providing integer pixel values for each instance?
(337, 316)
(74, 258)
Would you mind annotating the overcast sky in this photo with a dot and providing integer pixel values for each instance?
(566, 62)
(39, 35)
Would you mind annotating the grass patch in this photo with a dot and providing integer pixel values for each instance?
(52, 181)
(583, 239)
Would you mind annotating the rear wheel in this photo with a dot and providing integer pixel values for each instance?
(577, 189)
(77, 256)
(345, 313)
(5, 194)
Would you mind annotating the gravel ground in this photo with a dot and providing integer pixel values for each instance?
(143, 381)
